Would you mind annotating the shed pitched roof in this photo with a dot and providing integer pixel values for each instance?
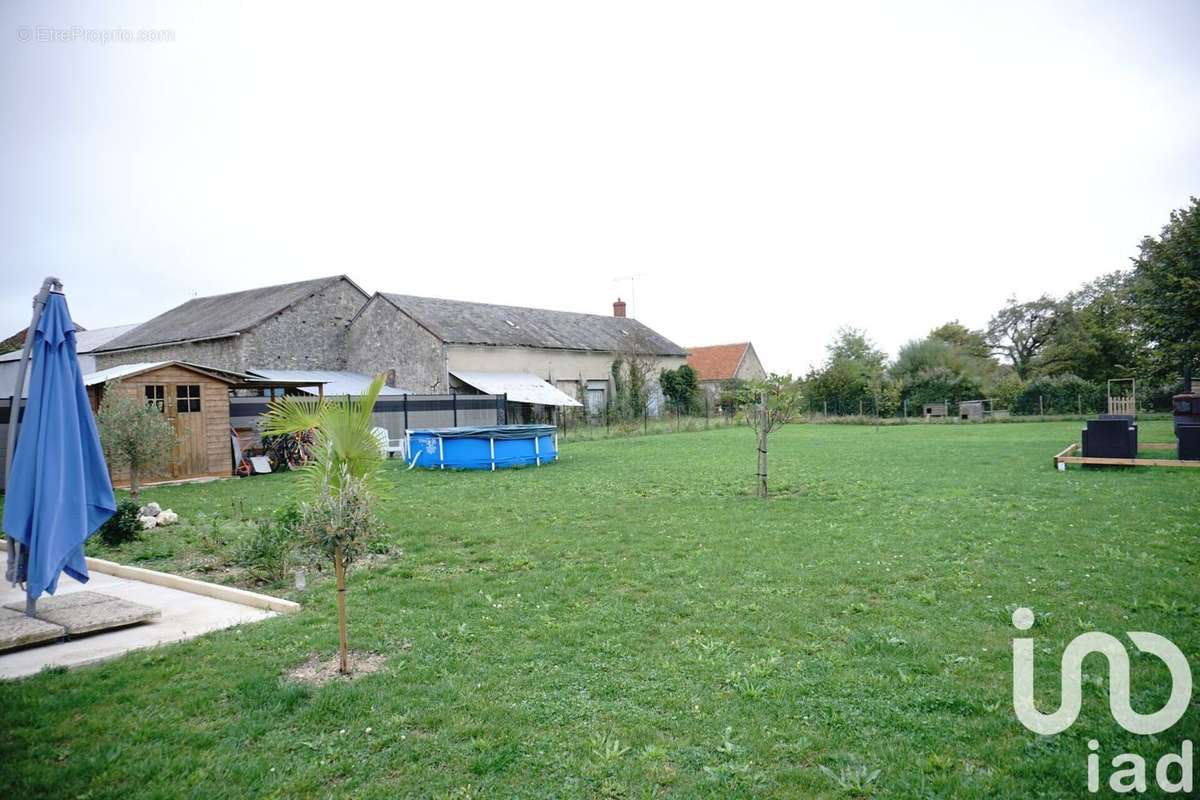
(130, 370)
(718, 362)
(460, 322)
(219, 315)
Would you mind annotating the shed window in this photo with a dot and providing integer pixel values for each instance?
(187, 398)
(156, 396)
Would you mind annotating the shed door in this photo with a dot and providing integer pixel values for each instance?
(190, 458)
(156, 397)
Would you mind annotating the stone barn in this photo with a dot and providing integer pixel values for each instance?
(545, 360)
(542, 359)
(299, 325)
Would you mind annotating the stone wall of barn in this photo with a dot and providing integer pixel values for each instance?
(751, 369)
(383, 339)
(311, 334)
(223, 353)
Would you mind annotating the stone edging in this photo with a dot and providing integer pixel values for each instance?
(228, 593)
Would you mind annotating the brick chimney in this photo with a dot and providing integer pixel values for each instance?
(619, 308)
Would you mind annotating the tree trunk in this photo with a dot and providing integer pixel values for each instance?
(762, 446)
(339, 568)
(135, 485)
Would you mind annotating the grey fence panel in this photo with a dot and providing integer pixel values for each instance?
(398, 413)
(478, 416)
(394, 412)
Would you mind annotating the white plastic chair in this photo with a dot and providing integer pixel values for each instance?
(387, 445)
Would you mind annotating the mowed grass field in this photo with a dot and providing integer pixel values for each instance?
(632, 622)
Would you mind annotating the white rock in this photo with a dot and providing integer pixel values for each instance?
(167, 517)
(150, 510)
(147, 521)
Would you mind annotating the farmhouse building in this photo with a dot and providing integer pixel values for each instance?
(721, 363)
(498, 349)
(424, 345)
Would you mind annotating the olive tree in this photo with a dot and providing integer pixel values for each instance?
(777, 401)
(342, 479)
(336, 524)
(135, 435)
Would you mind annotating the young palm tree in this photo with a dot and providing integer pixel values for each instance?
(342, 477)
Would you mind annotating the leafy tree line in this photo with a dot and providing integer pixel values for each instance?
(1051, 354)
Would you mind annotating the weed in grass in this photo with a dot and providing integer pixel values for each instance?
(857, 779)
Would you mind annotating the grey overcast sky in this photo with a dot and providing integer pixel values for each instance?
(772, 170)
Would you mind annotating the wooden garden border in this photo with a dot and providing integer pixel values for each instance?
(1066, 457)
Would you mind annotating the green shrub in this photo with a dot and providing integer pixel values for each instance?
(123, 526)
(940, 385)
(269, 551)
(1059, 394)
(1004, 391)
(288, 517)
(1158, 398)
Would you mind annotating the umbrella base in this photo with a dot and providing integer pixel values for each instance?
(18, 630)
(72, 614)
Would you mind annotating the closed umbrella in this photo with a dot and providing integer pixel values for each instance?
(58, 490)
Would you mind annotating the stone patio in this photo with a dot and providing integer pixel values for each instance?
(85, 611)
(181, 615)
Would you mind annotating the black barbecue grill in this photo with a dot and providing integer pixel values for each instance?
(1186, 410)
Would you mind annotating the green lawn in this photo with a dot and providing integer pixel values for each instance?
(632, 622)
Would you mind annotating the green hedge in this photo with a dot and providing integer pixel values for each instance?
(1060, 394)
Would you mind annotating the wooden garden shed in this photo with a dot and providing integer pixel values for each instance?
(194, 399)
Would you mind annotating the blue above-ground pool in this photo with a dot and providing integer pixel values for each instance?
(493, 448)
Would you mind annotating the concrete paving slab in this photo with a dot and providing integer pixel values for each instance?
(184, 615)
(87, 612)
(18, 630)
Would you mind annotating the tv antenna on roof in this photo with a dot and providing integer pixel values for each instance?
(632, 290)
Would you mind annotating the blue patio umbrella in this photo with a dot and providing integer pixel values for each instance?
(58, 491)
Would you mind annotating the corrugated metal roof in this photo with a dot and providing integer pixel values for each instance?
(337, 383)
(124, 370)
(218, 316)
(85, 341)
(521, 387)
(460, 322)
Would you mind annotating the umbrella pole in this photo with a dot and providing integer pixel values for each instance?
(14, 418)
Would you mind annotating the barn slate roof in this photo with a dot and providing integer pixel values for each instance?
(461, 322)
(219, 315)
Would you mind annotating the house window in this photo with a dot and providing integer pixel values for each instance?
(187, 398)
(156, 395)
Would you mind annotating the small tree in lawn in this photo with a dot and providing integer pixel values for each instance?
(342, 479)
(337, 525)
(135, 435)
(777, 401)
